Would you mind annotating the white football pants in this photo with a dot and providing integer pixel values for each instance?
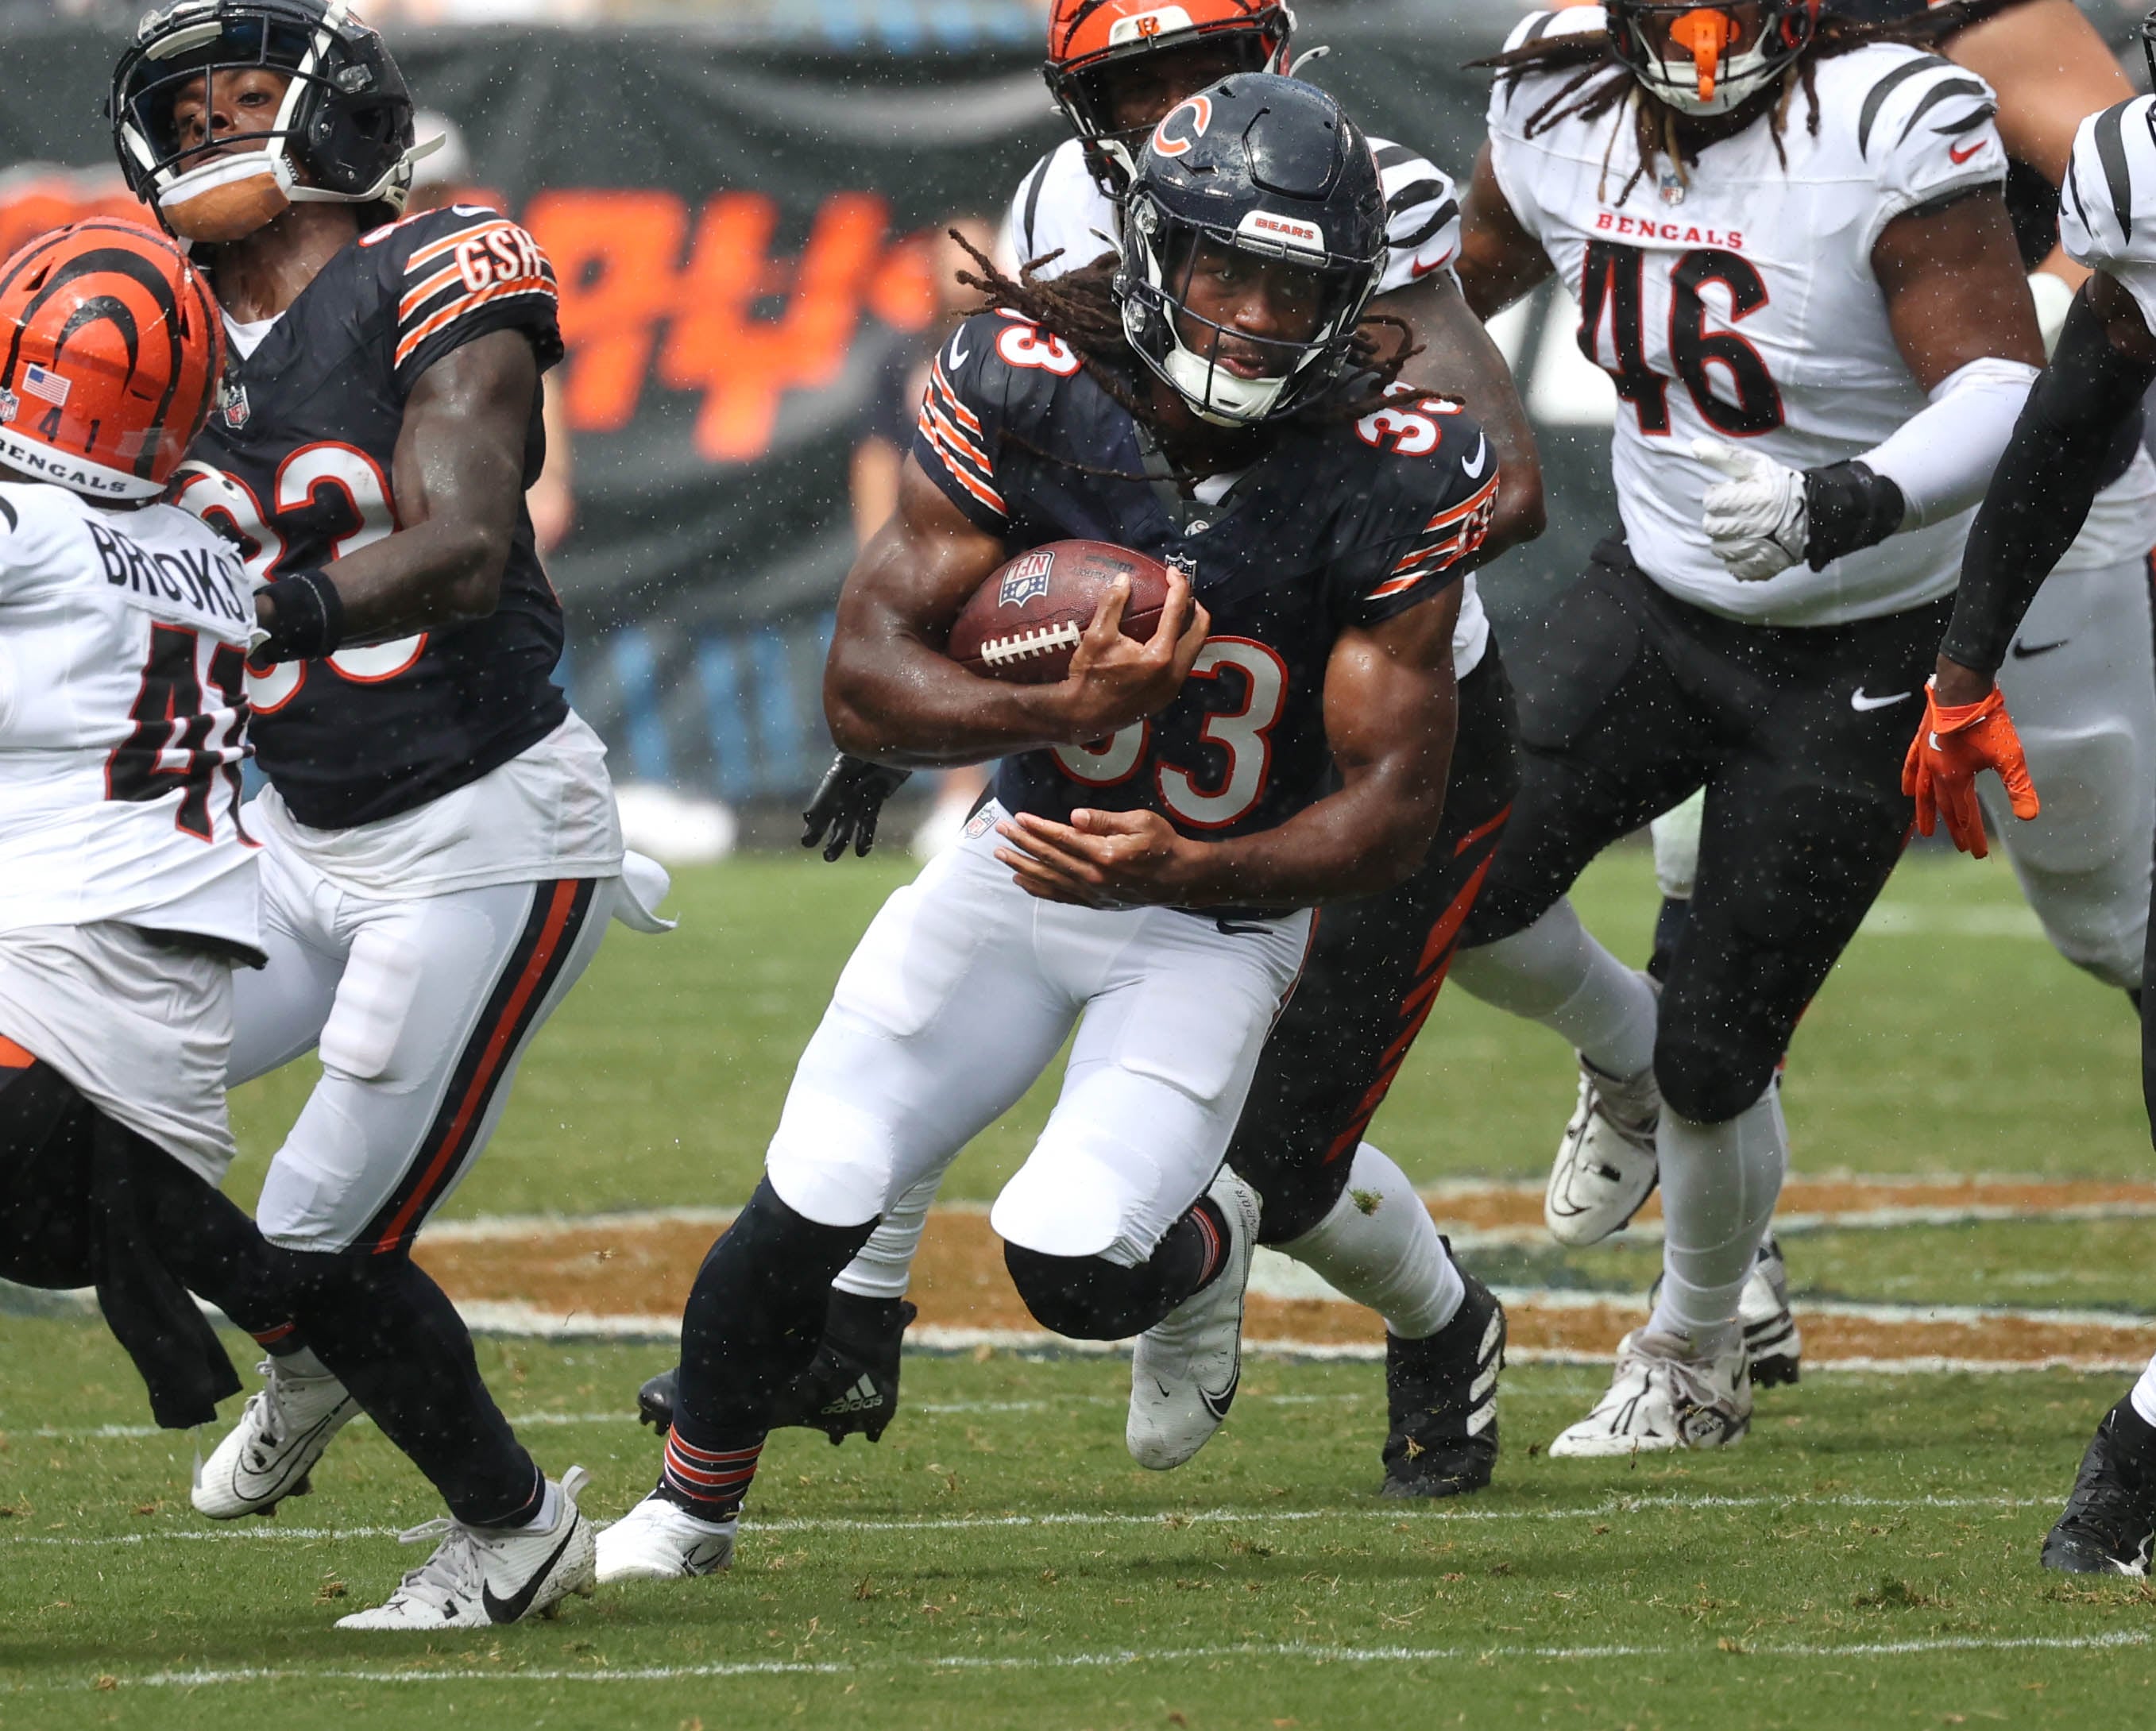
(2080, 683)
(959, 997)
(422, 1010)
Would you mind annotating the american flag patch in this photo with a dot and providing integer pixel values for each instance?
(38, 382)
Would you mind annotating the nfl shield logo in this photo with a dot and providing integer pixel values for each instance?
(1027, 580)
(232, 405)
(10, 405)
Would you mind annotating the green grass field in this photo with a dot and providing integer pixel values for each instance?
(1867, 1558)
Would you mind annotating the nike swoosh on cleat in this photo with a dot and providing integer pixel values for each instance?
(2023, 652)
(1217, 1404)
(1860, 702)
(509, 1609)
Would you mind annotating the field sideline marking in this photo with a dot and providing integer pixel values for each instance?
(1170, 1520)
(2112, 1640)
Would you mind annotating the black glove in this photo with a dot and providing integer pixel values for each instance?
(846, 805)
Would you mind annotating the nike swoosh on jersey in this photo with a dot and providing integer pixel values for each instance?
(959, 356)
(2023, 652)
(1417, 272)
(1860, 702)
(1473, 470)
(1962, 152)
(509, 1609)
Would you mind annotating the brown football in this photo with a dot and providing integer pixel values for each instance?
(1024, 622)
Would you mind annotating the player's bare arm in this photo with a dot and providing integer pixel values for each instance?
(1390, 715)
(893, 696)
(1458, 359)
(1498, 260)
(459, 476)
(1954, 289)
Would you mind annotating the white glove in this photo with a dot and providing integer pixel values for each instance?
(1755, 519)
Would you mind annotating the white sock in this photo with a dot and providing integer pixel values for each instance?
(1719, 1183)
(550, 1512)
(2144, 1393)
(1554, 972)
(303, 1363)
(885, 1263)
(1379, 1247)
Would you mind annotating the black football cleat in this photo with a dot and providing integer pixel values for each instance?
(1442, 1394)
(2110, 1521)
(851, 1385)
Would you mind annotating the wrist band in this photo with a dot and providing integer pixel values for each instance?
(1848, 507)
(307, 619)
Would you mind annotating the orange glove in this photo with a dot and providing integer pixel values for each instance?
(1954, 744)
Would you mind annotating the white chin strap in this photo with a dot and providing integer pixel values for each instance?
(1742, 77)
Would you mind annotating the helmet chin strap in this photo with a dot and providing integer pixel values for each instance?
(1218, 396)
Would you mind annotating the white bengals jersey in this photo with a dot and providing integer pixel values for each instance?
(123, 643)
(1739, 304)
(2107, 208)
(1060, 207)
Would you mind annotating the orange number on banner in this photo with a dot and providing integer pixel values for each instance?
(615, 259)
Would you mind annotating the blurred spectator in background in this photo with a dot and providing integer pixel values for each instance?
(443, 176)
(882, 438)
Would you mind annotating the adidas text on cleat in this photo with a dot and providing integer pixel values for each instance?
(480, 1576)
(1185, 1368)
(268, 1454)
(1442, 1396)
(1771, 1340)
(1606, 1165)
(851, 1386)
(659, 1540)
(2109, 1525)
(1662, 1399)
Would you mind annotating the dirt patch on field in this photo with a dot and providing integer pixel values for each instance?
(643, 1268)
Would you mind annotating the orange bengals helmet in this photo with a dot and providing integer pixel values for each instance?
(1087, 40)
(111, 349)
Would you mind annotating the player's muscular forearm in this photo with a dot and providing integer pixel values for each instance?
(1498, 260)
(1458, 359)
(458, 477)
(891, 695)
(1391, 710)
(2046, 481)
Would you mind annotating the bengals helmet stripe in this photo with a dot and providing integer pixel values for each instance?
(110, 348)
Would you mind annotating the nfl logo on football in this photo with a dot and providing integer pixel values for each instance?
(1027, 580)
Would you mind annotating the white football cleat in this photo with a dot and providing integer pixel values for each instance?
(660, 1540)
(1662, 1398)
(1606, 1165)
(1771, 1340)
(480, 1576)
(268, 1454)
(1185, 1368)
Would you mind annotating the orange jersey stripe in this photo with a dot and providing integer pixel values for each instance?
(450, 243)
(449, 314)
(964, 416)
(417, 298)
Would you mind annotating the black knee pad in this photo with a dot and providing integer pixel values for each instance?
(1711, 1078)
(1075, 1297)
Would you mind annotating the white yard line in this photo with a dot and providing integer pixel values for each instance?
(1302, 1653)
(268, 1532)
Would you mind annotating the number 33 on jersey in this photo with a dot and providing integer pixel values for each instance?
(1337, 524)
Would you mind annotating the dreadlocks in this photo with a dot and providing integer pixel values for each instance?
(1081, 307)
(1600, 84)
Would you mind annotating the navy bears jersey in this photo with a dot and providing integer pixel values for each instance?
(1339, 524)
(296, 463)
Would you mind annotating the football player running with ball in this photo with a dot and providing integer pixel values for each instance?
(2104, 365)
(1376, 964)
(131, 888)
(1793, 261)
(1161, 823)
(441, 854)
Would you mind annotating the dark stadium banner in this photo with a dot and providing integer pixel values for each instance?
(738, 236)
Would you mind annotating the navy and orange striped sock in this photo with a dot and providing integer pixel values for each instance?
(1211, 1226)
(708, 1478)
